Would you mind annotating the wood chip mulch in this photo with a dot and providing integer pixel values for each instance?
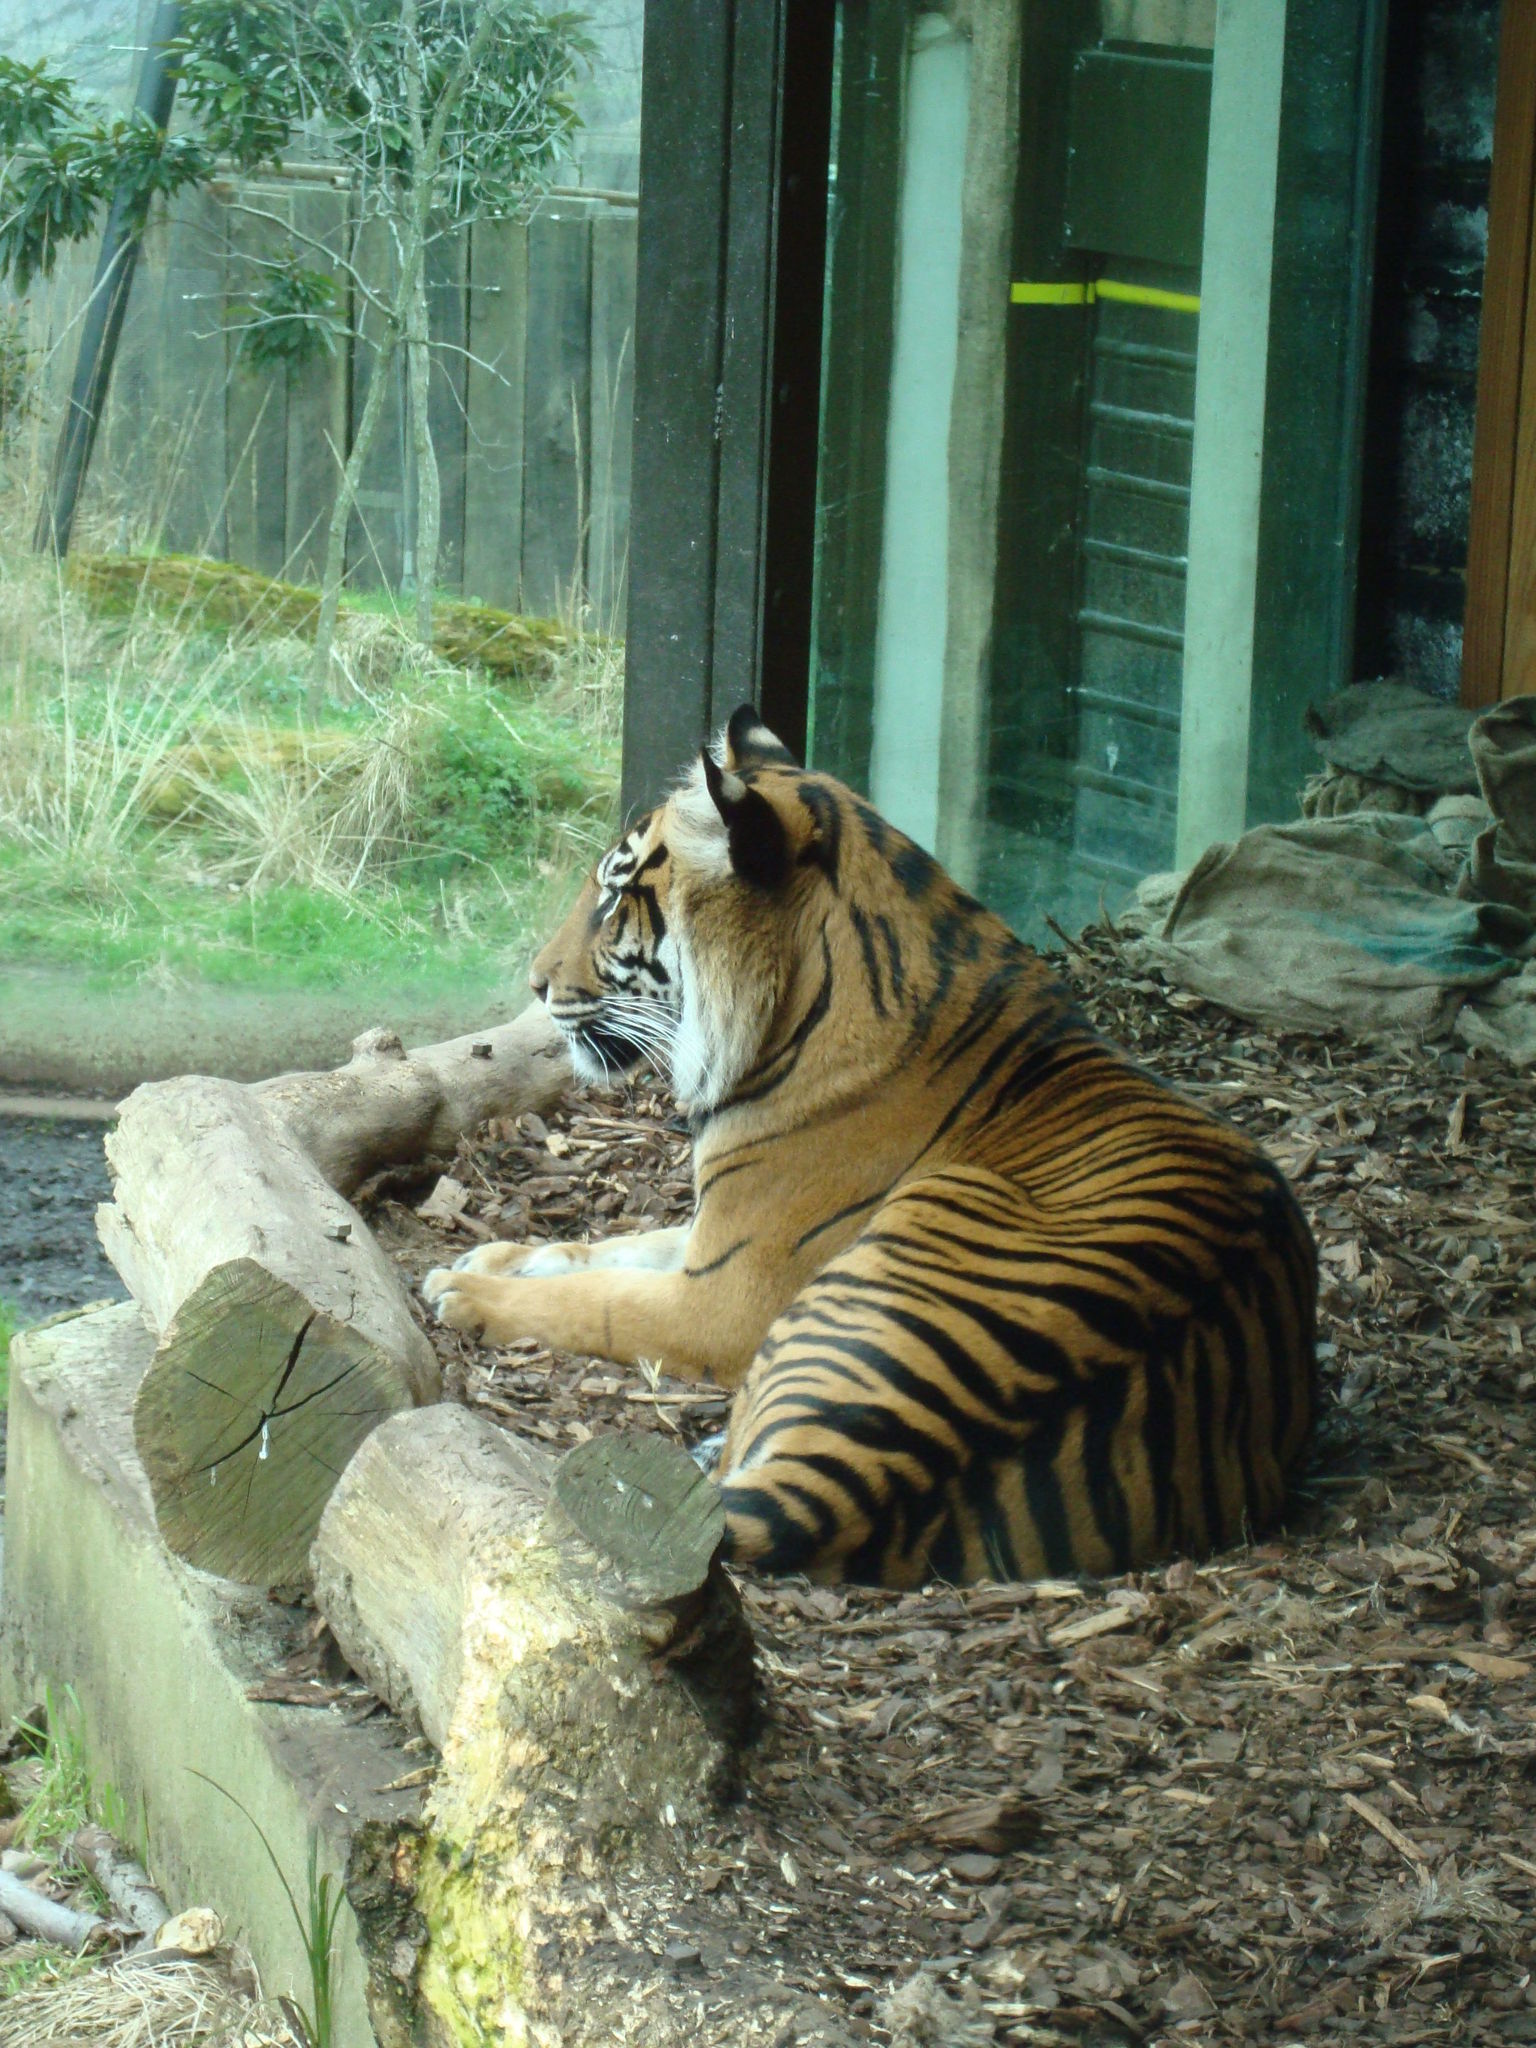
(1286, 1794)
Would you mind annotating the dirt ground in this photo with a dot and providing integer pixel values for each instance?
(1283, 1795)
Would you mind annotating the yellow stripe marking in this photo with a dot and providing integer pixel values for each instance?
(1050, 294)
(1025, 294)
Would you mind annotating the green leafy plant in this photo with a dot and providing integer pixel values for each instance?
(315, 1920)
(68, 1794)
(67, 159)
(34, 102)
(295, 317)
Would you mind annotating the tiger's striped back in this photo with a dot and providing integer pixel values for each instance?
(1108, 1369)
(1078, 1335)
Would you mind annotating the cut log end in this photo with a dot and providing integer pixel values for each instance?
(246, 1418)
(651, 1518)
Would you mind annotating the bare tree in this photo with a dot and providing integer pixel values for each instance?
(439, 112)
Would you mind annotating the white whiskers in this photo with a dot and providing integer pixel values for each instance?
(648, 1025)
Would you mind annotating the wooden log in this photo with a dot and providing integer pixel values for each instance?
(442, 1514)
(126, 1883)
(387, 1106)
(285, 1335)
(393, 1585)
(567, 1638)
(46, 1918)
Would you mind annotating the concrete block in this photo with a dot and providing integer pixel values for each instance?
(160, 1658)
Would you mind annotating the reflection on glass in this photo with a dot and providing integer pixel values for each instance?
(1143, 420)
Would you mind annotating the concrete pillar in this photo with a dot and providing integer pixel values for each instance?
(1230, 378)
(913, 612)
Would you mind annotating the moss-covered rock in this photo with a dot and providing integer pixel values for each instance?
(181, 777)
(225, 597)
(201, 592)
(480, 636)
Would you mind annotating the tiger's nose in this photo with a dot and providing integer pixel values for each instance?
(539, 983)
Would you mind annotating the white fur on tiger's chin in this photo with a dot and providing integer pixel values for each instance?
(721, 1031)
(719, 1038)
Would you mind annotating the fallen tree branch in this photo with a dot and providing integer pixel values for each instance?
(126, 1883)
(389, 1107)
(46, 1918)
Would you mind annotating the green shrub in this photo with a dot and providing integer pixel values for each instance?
(490, 775)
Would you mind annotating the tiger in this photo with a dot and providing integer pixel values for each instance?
(994, 1301)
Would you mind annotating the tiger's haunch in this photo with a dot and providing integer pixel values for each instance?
(997, 1302)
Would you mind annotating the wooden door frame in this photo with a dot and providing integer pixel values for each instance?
(1499, 636)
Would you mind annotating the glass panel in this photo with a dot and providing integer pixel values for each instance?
(1155, 502)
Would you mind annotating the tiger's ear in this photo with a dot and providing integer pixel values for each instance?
(749, 743)
(754, 833)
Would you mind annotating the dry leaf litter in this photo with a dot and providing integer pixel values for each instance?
(1289, 1793)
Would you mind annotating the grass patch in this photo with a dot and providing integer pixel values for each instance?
(64, 1797)
(43, 1966)
(315, 1920)
(173, 810)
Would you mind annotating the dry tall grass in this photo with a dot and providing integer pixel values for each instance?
(145, 2002)
(117, 737)
(141, 746)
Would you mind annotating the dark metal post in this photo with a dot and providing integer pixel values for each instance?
(733, 181)
(102, 322)
(684, 158)
(793, 398)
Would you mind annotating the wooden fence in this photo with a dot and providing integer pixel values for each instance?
(530, 402)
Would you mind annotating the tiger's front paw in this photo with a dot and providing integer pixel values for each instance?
(472, 1302)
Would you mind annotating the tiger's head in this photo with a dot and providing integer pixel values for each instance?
(687, 938)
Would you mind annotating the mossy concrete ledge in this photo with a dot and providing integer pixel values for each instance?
(160, 1659)
(543, 1892)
